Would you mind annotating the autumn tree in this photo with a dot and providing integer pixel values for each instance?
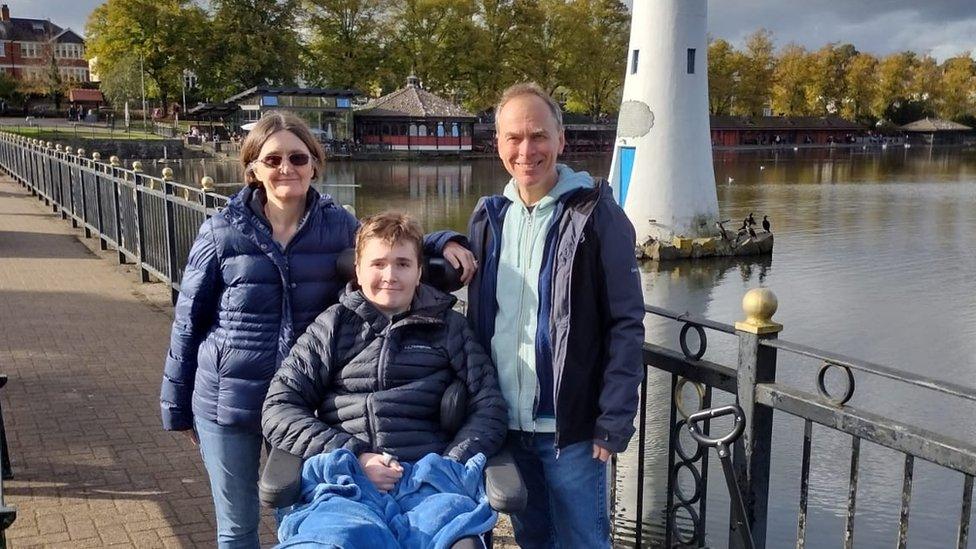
(893, 77)
(861, 87)
(722, 69)
(120, 80)
(755, 75)
(828, 84)
(165, 35)
(792, 78)
(540, 47)
(958, 88)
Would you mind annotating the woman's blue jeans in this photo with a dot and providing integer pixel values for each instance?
(232, 456)
(567, 505)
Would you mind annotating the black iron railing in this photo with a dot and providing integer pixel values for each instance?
(151, 222)
(753, 383)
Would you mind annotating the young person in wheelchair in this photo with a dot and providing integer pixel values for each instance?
(370, 374)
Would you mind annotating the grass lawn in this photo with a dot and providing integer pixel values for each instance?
(84, 132)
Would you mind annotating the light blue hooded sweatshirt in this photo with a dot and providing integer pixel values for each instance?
(513, 344)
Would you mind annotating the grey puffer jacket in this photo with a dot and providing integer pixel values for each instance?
(355, 380)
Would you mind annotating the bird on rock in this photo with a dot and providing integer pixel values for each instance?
(765, 223)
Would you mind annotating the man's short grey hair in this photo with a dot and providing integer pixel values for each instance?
(529, 88)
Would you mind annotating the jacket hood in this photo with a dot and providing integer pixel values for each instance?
(567, 182)
(429, 305)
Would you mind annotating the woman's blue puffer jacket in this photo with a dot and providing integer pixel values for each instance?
(243, 303)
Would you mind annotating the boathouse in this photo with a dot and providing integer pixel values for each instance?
(731, 131)
(934, 131)
(413, 119)
(327, 111)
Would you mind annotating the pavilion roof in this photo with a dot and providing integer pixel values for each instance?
(412, 101)
(929, 125)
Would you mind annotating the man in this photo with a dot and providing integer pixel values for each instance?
(558, 302)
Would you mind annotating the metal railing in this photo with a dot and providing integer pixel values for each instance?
(753, 384)
(151, 222)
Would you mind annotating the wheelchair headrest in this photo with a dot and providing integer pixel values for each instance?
(437, 271)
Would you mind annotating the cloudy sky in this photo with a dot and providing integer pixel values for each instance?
(942, 28)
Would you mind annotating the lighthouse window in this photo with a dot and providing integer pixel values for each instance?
(633, 61)
(691, 60)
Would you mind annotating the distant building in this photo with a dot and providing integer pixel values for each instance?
(933, 131)
(731, 131)
(413, 119)
(28, 45)
(327, 111)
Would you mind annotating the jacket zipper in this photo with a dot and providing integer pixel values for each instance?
(525, 259)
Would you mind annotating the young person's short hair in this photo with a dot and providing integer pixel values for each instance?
(392, 228)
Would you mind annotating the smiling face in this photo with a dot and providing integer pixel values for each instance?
(529, 141)
(388, 275)
(287, 181)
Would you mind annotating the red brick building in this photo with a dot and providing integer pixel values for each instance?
(28, 45)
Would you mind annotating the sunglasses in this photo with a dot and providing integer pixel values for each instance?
(295, 159)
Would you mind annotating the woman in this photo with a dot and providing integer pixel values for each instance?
(258, 274)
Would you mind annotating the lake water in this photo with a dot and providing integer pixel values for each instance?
(874, 259)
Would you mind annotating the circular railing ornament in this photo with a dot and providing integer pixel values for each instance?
(822, 384)
(702, 341)
(679, 399)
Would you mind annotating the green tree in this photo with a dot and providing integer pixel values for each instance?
(54, 85)
(10, 92)
(165, 35)
(792, 78)
(596, 40)
(756, 74)
(722, 71)
(861, 87)
(347, 43)
(490, 66)
(540, 48)
(958, 88)
(247, 43)
(432, 39)
(120, 80)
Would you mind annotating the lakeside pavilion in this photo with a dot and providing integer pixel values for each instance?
(413, 119)
(935, 131)
(328, 111)
(785, 130)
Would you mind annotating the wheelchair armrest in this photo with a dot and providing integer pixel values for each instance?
(504, 485)
(281, 480)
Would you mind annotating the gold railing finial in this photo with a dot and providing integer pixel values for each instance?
(759, 305)
(207, 184)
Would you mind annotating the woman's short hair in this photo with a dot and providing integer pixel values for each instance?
(273, 122)
(392, 228)
(530, 88)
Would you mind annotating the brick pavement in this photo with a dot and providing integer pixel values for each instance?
(82, 342)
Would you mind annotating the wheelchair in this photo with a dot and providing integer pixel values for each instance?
(280, 483)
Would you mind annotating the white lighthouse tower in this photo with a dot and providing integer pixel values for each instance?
(662, 171)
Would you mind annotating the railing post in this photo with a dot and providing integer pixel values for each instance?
(84, 195)
(140, 225)
(57, 163)
(757, 364)
(99, 169)
(207, 184)
(114, 162)
(170, 232)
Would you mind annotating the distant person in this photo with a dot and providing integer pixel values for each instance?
(558, 302)
(257, 274)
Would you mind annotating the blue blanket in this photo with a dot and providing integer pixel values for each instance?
(437, 502)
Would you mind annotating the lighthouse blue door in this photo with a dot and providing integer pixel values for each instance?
(625, 160)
